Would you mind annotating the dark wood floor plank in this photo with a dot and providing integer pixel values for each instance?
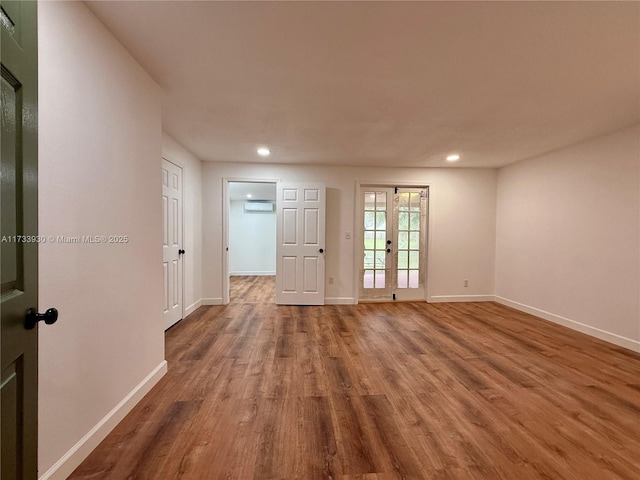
(378, 392)
(278, 433)
(317, 451)
(356, 449)
(402, 456)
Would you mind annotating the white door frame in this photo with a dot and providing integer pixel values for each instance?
(180, 165)
(358, 232)
(226, 207)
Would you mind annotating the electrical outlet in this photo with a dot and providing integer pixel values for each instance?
(330, 280)
(466, 282)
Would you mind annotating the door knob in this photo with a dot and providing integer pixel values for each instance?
(181, 252)
(32, 317)
(388, 242)
(388, 250)
(321, 250)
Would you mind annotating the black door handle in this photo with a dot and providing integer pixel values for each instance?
(388, 250)
(388, 242)
(32, 317)
(181, 252)
(321, 250)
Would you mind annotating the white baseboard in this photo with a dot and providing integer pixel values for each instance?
(212, 301)
(460, 298)
(81, 450)
(339, 301)
(379, 300)
(572, 324)
(253, 274)
(192, 308)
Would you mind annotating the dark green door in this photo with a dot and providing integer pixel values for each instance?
(19, 250)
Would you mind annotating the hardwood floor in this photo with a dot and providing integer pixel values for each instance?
(378, 391)
(253, 289)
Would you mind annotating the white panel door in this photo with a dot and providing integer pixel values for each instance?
(300, 243)
(172, 242)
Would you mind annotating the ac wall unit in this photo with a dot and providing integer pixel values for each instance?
(259, 207)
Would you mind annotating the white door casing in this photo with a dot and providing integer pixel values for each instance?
(172, 242)
(300, 243)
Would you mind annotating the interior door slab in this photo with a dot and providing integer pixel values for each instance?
(300, 262)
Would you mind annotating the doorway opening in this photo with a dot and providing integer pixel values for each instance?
(393, 242)
(250, 252)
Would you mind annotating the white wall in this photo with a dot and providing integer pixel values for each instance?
(568, 237)
(463, 220)
(252, 241)
(99, 151)
(192, 208)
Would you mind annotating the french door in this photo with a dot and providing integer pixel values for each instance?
(394, 243)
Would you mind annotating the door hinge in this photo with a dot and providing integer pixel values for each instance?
(394, 296)
(395, 190)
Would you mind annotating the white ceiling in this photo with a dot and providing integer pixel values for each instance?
(385, 83)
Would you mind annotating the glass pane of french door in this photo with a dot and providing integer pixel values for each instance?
(375, 269)
(408, 247)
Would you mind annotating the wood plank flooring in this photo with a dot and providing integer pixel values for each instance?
(378, 392)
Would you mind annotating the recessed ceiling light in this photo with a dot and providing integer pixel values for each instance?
(249, 195)
(453, 158)
(264, 152)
